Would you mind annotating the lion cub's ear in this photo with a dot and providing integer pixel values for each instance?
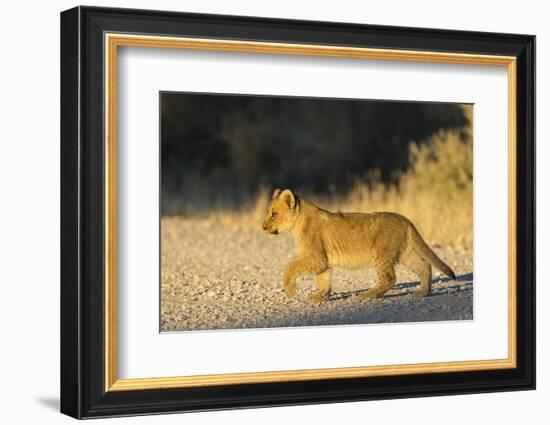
(288, 198)
(275, 193)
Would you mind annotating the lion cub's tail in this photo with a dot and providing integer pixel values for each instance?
(425, 251)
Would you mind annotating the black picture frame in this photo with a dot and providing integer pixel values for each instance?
(83, 392)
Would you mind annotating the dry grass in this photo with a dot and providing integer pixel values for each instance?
(436, 193)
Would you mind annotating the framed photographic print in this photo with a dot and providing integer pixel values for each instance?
(261, 212)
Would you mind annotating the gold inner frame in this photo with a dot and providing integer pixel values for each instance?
(113, 41)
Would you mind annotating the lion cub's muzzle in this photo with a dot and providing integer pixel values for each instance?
(270, 231)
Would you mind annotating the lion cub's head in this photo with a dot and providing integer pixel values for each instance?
(281, 212)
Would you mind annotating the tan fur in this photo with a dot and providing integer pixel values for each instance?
(349, 240)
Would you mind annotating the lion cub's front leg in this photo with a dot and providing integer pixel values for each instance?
(322, 280)
(301, 266)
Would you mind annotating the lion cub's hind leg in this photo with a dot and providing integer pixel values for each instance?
(421, 268)
(386, 279)
(323, 281)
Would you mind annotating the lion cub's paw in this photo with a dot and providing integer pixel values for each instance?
(317, 298)
(369, 295)
(420, 294)
(290, 291)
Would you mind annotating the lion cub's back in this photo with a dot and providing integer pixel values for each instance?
(357, 240)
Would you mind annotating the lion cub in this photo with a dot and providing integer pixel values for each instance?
(349, 240)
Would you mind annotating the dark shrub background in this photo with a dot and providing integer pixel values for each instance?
(217, 151)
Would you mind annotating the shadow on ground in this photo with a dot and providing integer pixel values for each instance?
(450, 300)
(467, 286)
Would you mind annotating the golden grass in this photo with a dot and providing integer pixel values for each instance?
(436, 193)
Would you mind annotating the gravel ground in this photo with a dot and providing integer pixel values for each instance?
(222, 276)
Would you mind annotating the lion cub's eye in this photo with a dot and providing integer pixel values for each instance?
(273, 214)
